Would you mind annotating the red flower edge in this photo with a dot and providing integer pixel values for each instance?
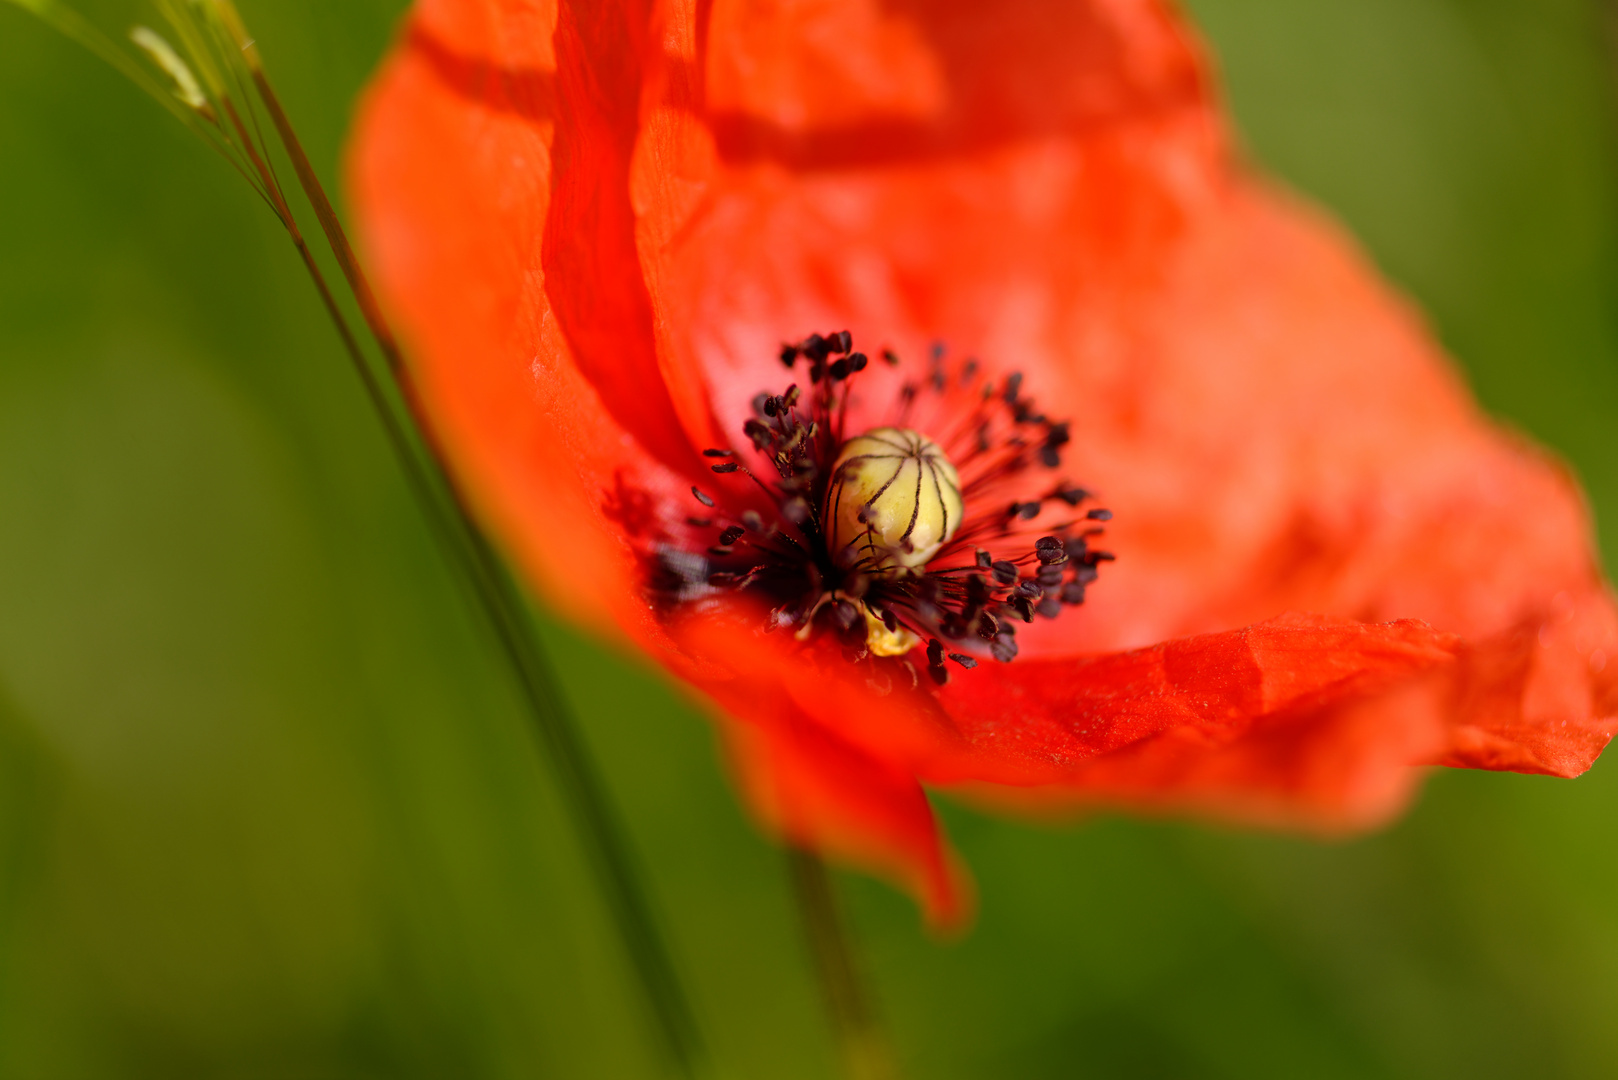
(595, 225)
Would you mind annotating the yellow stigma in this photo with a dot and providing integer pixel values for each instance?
(894, 500)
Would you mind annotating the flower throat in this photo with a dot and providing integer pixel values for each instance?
(904, 535)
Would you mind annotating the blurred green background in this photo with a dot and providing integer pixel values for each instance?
(267, 805)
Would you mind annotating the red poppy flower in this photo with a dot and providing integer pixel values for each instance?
(597, 224)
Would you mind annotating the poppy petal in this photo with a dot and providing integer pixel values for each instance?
(452, 172)
(811, 788)
(847, 787)
(1273, 429)
(595, 225)
(1302, 721)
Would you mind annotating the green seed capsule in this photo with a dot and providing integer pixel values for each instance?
(894, 501)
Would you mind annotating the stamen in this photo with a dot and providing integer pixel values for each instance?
(892, 540)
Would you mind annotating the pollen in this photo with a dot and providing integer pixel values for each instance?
(894, 500)
(884, 640)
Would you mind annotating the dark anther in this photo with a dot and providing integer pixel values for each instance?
(816, 348)
(720, 552)
(1099, 515)
(1051, 576)
(1073, 496)
(1004, 572)
(984, 561)
(1049, 608)
(962, 659)
(939, 674)
(1073, 593)
(719, 453)
(845, 615)
(790, 398)
(1029, 590)
(977, 589)
(795, 510)
(759, 432)
(752, 520)
(699, 523)
(938, 351)
(772, 406)
(852, 635)
(1085, 574)
(726, 467)
(789, 355)
(839, 370)
(988, 626)
(1028, 511)
(1050, 550)
(857, 361)
(701, 498)
(841, 342)
(1024, 606)
(891, 357)
(891, 621)
(1050, 457)
(1004, 648)
(1060, 434)
(935, 652)
(969, 370)
(1102, 556)
(731, 535)
(1013, 387)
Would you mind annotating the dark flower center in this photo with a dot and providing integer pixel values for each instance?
(893, 539)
